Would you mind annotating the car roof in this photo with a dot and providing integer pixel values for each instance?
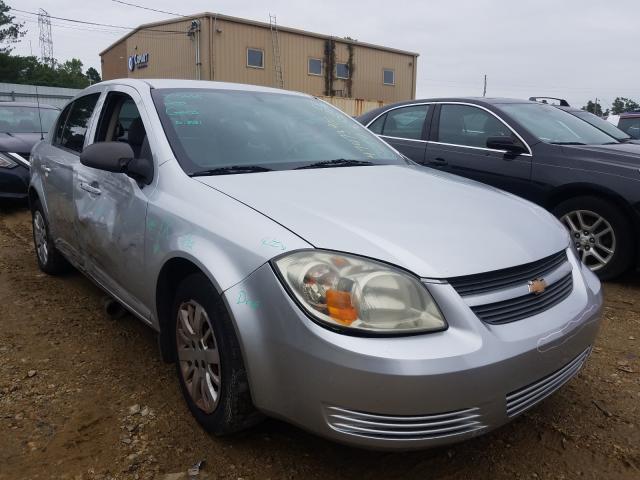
(26, 104)
(474, 100)
(177, 83)
(633, 114)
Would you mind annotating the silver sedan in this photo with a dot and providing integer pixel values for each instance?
(296, 266)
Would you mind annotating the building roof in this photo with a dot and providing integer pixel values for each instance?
(255, 23)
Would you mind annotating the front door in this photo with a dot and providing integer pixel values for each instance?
(403, 129)
(111, 207)
(459, 145)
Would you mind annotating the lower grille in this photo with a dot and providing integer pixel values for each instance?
(525, 306)
(520, 400)
(395, 427)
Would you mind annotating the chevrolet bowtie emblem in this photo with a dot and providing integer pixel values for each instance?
(537, 286)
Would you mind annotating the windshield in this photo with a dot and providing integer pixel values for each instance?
(14, 119)
(601, 124)
(552, 125)
(215, 129)
(631, 125)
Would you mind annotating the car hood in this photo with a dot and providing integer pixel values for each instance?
(18, 142)
(431, 223)
(622, 154)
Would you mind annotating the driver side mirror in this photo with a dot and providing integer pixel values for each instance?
(505, 143)
(117, 157)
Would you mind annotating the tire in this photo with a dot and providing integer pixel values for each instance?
(613, 232)
(232, 409)
(50, 260)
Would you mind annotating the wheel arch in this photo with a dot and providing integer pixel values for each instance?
(172, 272)
(565, 192)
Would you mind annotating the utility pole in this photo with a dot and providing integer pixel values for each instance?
(484, 91)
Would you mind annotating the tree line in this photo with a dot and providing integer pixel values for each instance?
(619, 105)
(30, 69)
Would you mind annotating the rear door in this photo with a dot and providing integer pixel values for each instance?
(458, 144)
(63, 158)
(404, 129)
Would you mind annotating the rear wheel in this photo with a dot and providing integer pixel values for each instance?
(50, 260)
(208, 359)
(600, 232)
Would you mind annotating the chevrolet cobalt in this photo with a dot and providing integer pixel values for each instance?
(296, 266)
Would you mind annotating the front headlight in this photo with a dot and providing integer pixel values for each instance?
(6, 161)
(359, 295)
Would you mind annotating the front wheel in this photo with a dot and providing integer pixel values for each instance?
(208, 359)
(600, 232)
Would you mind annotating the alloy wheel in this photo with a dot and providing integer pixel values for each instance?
(40, 236)
(593, 237)
(198, 355)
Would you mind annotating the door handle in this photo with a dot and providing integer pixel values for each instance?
(90, 188)
(439, 162)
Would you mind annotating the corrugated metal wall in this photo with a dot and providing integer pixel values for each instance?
(353, 106)
(55, 96)
(172, 55)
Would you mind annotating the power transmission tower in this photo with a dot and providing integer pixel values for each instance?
(275, 44)
(46, 40)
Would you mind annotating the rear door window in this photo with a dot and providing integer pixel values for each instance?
(405, 122)
(75, 128)
(60, 125)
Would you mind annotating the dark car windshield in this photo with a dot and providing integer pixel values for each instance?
(552, 125)
(630, 125)
(210, 129)
(14, 119)
(601, 124)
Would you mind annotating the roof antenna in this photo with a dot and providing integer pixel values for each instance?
(37, 101)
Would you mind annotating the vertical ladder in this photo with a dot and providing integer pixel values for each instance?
(275, 44)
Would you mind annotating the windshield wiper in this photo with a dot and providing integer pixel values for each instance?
(338, 162)
(567, 143)
(230, 170)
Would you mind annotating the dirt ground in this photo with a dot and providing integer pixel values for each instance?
(84, 396)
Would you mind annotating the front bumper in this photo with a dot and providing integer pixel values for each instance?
(408, 392)
(14, 182)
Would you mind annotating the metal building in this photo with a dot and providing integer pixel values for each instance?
(211, 46)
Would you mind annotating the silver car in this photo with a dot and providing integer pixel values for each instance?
(296, 266)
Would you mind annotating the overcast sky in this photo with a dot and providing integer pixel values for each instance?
(575, 49)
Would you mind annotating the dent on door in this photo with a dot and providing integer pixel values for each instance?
(111, 216)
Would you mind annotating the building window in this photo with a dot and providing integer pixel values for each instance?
(342, 71)
(315, 66)
(388, 77)
(255, 58)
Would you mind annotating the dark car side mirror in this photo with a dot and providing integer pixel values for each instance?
(505, 143)
(117, 157)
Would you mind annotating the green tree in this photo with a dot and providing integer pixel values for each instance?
(30, 70)
(93, 75)
(593, 107)
(623, 104)
(10, 30)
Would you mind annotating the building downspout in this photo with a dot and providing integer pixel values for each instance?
(213, 56)
(194, 33)
(413, 81)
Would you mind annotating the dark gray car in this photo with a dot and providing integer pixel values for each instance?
(590, 180)
(22, 125)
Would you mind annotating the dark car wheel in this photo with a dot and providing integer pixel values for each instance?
(208, 359)
(50, 260)
(601, 233)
